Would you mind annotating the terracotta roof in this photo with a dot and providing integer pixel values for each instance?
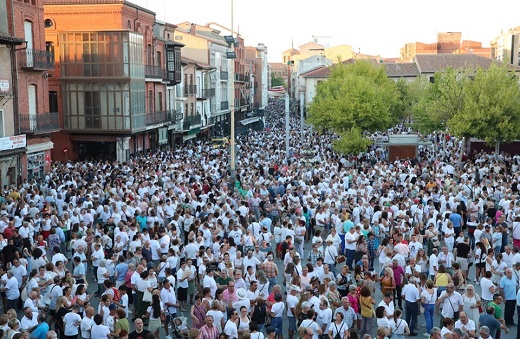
(6, 39)
(432, 63)
(321, 72)
(402, 70)
(198, 64)
(291, 50)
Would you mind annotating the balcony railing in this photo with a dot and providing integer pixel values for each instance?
(192, 89)
(154, 118)
(239, 77)
(155, 72)
(224, 75)
(206, 93)
(39, 123)
(191, 121)
(224, 105)
(247, 78)
(36, 59)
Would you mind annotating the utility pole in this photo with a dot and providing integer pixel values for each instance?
(287, 108)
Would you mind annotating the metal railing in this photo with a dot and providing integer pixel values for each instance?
(207, 93)
(191, 120)
(36, 59)
(39, 123)
(154, 72)
(154, 118)
(240, 77)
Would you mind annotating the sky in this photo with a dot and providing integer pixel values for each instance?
(378, 27)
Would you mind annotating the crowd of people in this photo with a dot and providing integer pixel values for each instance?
(316, 246)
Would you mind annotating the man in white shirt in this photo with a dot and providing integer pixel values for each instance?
(87, 322)
(209, 281)
(414, 246)
(292, 301)
(388, 305)
(434, 264)
(324, 316)
(467, 325)
(230, 329)
(451, 301)
(446, 258)
(72, 321)
(29, 320)
(249, 260)
(411, 295)
(350, 246)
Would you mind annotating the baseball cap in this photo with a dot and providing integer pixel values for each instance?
(112, 307)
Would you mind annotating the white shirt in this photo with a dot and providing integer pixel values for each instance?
(434, 264)
(26, 323)
(99, 331)
(210, 282)
(470, 326)
(451, 304)
(411, 293)
(231, 329)
(72, 321)
(350, 236)
(86, 324)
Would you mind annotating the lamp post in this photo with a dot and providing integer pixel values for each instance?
(232, 167)
(287, 127)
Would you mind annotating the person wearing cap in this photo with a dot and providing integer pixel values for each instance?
(292, 301)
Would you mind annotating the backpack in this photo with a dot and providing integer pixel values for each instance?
(117, 296)
(338, 335)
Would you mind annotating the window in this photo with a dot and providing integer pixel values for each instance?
(32, 101)
(53, 101)
(92, 110)
(28, 31)
(2, 129)
(48, 23)
(159, 102)
(191, 109)
(150, 101)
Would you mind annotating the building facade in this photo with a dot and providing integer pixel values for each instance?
(35, 106)
(113, 79)
(506, 47)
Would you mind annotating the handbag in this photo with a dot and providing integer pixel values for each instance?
(147, 296)
(268, 319)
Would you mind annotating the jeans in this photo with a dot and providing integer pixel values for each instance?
(412, 308)
(518, 322)
(342, 244)
(350, 258)
(429, 310)
(272, 282)
(397, 296)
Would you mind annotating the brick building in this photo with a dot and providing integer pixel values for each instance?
(113, 79)
(34, 105)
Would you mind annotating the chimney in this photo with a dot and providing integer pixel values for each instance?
(193, 28)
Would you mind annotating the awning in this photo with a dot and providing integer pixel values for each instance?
(248, 121)
(188, 137)
(93, 138)
(43, 146)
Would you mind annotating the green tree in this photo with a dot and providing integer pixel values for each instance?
(442, 100)
(410, 95)
(276, 80)
(356, 99)
(491, 109)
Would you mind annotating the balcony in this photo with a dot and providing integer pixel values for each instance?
(154, 72)
(191, 121)
(155, 118)
(39, 123)
(240, 77)
(206, 93)
(177, 116)
(224, 105)
(247, 78)
(37, 60)
(224, 75)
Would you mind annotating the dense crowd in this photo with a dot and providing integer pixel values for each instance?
(319, 246)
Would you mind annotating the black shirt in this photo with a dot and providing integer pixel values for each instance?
(462, 250)
(135, 335)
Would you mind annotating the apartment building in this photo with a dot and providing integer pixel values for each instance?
(114, 78)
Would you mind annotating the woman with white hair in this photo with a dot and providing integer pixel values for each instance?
(102, 275)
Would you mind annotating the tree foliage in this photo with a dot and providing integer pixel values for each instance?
(276, 80)
(356, 98)
(491, 109)
(481, 103)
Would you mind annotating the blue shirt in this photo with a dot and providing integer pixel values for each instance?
(509, 286)
(456, 219)
(40, 332)
(121, 269)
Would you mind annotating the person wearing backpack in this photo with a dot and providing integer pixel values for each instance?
(338, 329)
